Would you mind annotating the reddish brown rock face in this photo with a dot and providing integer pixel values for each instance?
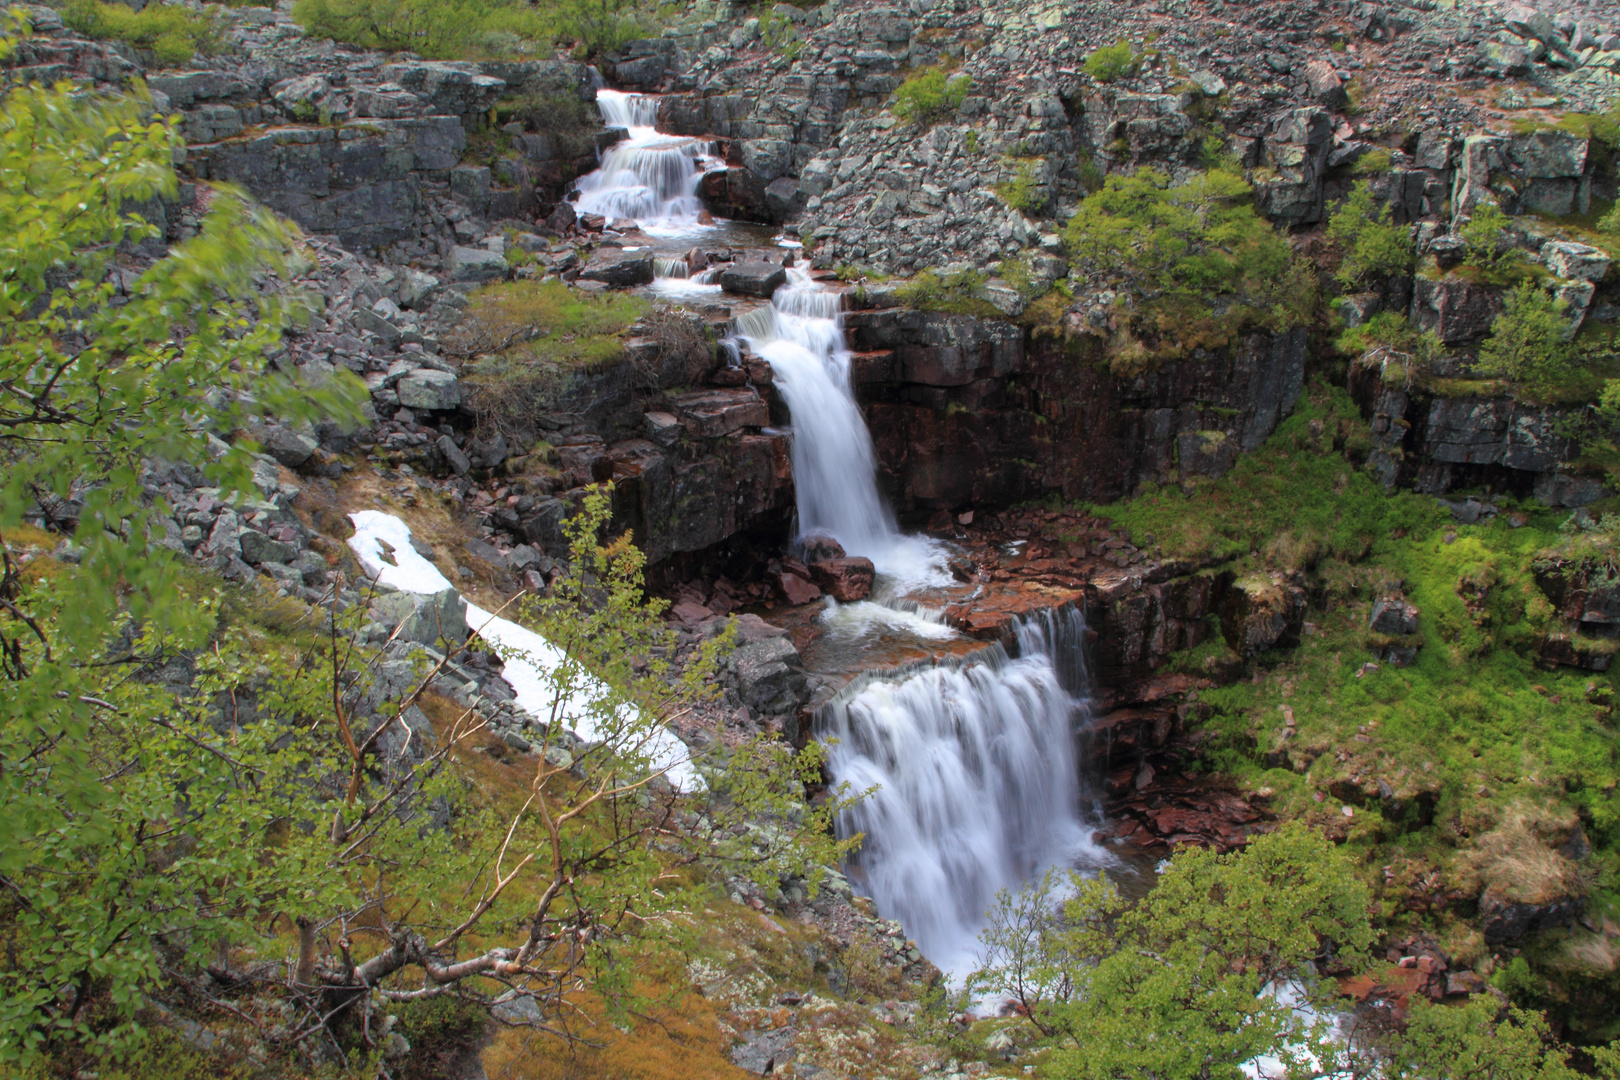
(796, 589)
(845, 580)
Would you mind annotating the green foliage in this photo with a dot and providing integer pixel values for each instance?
(1526, 343)
(1491, 253)
(1373, 247)
(1111, 63)
(450, 29)
(194, 778)
(1401, 352)
(1373, 162)
(1172, 986)
(960, 292)
(1199, 263)
(173, 33)
(1022, 192)
(930, 94)
(1610, 222)
(1478, 1040)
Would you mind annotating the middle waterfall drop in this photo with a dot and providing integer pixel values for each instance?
(801, 335)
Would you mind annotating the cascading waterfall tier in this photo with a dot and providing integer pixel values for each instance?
(977, 778)
(801, 335)
(650, 177)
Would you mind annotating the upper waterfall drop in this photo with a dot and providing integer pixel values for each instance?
(801, 336)
(649, 176)
(977, 783)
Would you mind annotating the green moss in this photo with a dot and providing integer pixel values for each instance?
(960, 292)
(1473, 736)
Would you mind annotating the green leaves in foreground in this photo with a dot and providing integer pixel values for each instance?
(100, 372)
(1184, 983)
(1218, 966)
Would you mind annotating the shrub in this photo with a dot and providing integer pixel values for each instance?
(1489, 251)
(930, 94)
(1022, 192)
(1374, 161)
(960, 292)
(1388, 340)
(1372, 246)
(448, 29)
(1526, 343)
(1196, 260)
(174, 34)
(1113, 62)
(1610, 222)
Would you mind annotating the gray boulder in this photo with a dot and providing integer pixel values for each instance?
(423, 619)
(1393, 615)
(428, 389)
(477, 264)
(1582, 262)
(258, 548)
(769, 676)
(618, 268)
(453, 456)
(760, 279)
(447, 89)
(288, 446)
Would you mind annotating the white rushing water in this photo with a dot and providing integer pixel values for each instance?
(978, 783)
(801, 335)
(650, 176)
(379, 537)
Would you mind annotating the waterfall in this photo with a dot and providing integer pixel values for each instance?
(801, 335)
(978, 782)
(649, 176)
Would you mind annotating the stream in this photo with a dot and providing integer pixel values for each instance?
(975, 764)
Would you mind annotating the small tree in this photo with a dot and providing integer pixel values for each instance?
(930, 94)
(1372, 246)
(196, 812)
(1527, 342)
(1196, 261)
(1111, 63)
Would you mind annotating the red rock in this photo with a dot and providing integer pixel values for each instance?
(845, 579)
(688, 612)
(796, 589)
(821, 548)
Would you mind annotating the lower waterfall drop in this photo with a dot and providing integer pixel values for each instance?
(978, 784)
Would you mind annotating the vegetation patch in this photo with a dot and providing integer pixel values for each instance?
(930, 95)
(526, 339)
(174, 34)
(459, 29)
(960, 292)
(1433, 773)
(1193, 260)
(1371, 246)
(1113, 62)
